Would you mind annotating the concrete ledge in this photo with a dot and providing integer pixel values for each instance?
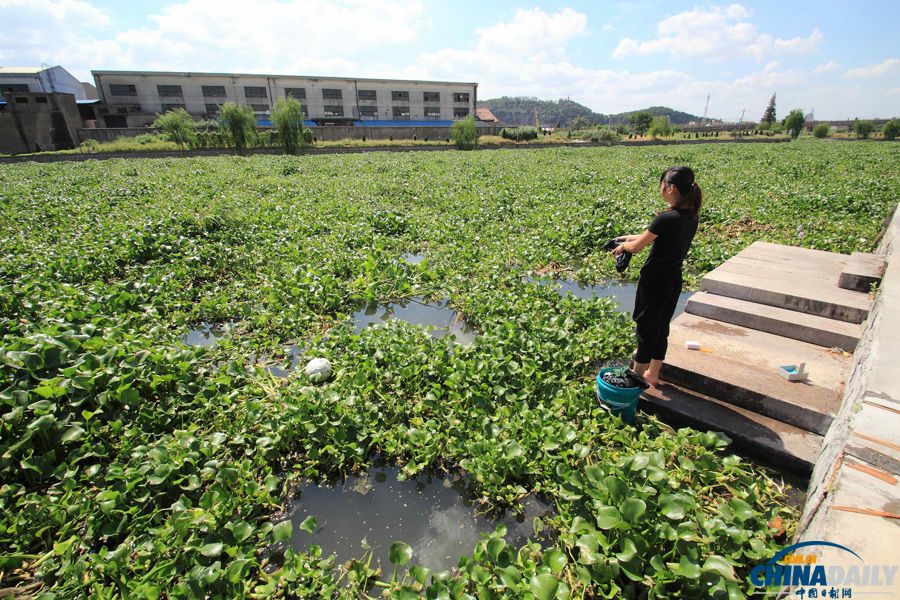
(771, 441)
(788, 323)
(861, 272)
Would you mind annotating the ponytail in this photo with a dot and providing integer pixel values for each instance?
(690, 194)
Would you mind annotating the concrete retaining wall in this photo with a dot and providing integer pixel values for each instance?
(875, 375)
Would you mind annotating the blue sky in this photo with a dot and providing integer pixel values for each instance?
(841, 59)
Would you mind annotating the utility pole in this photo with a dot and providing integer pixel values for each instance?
(742, 116)
(705, 110)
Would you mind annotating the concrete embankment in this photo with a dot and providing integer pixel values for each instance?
(854, 494)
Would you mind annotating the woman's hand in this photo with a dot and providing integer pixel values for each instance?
(635, 243)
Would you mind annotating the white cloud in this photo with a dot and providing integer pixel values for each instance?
(716, 32)
(301, 36)
(828, 67)
(526, 55)
(34, 13)
(533, 33)
(888, 67)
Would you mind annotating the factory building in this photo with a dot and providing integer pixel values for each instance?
(135, 98)
(41, 80)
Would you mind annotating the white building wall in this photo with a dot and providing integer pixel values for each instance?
(52, 79)
(147, 95)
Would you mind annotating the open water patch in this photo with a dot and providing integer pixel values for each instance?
(413, 258)
(434, 514)
(437, 316)
(289, 364)
(622, 293)
(205, 335)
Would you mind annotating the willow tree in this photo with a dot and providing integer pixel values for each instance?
(287, 116)
(178, 126)
(240, 123)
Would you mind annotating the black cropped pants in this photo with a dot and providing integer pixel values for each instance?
(654, 304)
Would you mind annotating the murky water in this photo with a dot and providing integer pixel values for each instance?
(623, 293)
(413, 258)
(287, 364)
(205, 335)
(437, 316)
(433, 514)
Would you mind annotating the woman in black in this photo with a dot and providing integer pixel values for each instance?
(659, 287)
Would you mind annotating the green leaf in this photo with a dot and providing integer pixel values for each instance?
(494, 547)
(399, 553)
(632, 509)
(686, 567)
(72, 434)
(544, 586)
(283, 531)
(717, 564)
(212, 550)
(673, 510)
(629, 550)
(309, 525)
(242, 531)
(607, 517)
(510, 576)
(419, 573)
(513, 450)
(555, 559)
(742, 510)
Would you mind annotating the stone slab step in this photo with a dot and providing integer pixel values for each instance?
(788, 323)
(861, 271)
(738, 365)
(797, 279)
(768, 440)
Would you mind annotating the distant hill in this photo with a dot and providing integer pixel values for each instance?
(519, 110)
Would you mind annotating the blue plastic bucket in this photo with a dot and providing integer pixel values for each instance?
(621, 402)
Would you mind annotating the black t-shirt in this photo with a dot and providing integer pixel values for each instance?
(675, 229)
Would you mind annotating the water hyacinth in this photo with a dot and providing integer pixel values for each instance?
(134, 464)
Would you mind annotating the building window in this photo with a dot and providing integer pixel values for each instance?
(328, 94)
(334, 110)
(169, 91)
(213, 91)
(400, 96)
(117, 89)
(368, 112)
(432, 112)
(122, 111)
(167, 107)
(459, 113)
(40, 99)
(295, 93)
(368, 95)
(13, 87)
(251, 91)
(212, 109)
(21, 100)
(260, 107)
(115, 121)
(431, 96)
(401, 113)
(461, 97)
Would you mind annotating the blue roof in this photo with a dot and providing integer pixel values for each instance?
(268, 123)
(403, 123)
(90, 101)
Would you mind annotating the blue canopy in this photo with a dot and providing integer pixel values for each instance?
(403, 123)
